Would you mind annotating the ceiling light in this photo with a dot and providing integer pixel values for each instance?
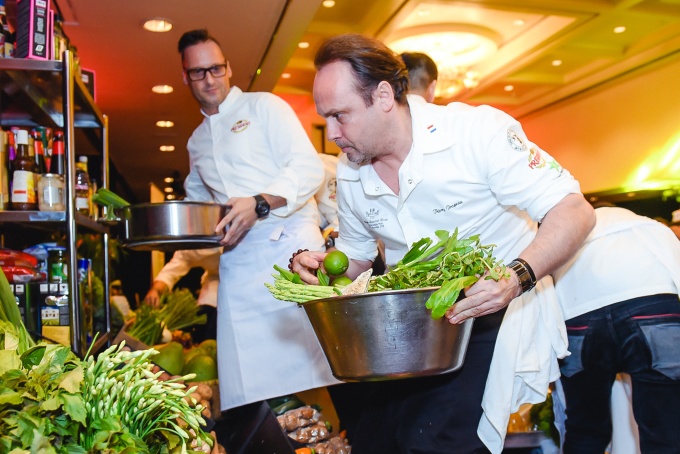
(424, 12)
(518, 22)
(165, 124)
(158, 25)
(170, 197)
(168, 180)
(329, 3)
(167, 148)
(454, 52)
(619, 29)
(303, 45)
(168, 189)
(162, 89)
(556, 62)
(508, 88)
(285, 76)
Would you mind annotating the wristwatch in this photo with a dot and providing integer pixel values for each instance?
(261, 206)
(526, 276)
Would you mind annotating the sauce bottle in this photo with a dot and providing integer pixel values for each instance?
(23, 176)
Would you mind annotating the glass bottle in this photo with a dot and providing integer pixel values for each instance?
(57, 162)
(23, 176)
(38, 152)
(83, 188)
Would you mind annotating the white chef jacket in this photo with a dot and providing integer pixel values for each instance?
(470, 168)
(325, 197)
(255, 144)
(183, 261)
(600, 273)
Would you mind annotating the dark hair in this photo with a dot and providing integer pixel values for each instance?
(372, 62)
(193, 37)
(422, 70)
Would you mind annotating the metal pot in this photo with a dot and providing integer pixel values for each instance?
(386, 335)
(171, 225)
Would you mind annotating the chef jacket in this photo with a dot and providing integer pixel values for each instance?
(183, 261)
(474, 169)
(255, 144)
(326, 197)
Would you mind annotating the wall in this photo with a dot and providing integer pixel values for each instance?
(604, 135)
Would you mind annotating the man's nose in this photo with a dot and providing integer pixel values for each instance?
(332, 131)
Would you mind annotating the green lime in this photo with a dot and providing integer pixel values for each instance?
(335, 263)
(341, 281)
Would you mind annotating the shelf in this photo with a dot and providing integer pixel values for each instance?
(32, 95)
(19, 217)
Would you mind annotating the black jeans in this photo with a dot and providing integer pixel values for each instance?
(640, 337)
(427, 415)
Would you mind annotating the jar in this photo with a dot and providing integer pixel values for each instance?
(51, 192)
(57, 265)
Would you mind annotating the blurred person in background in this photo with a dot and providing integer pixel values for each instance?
(422, 74)
(619, 296)
(179, 265)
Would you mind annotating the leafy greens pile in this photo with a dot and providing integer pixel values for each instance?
(53, 402)
(451, 263)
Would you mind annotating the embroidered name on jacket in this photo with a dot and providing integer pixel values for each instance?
(240, 126)
(373, 219)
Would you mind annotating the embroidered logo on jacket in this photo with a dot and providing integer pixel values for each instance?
(240, 126)
(515, 141)
(431, 128)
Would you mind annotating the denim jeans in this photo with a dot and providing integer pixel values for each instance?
(640, 337)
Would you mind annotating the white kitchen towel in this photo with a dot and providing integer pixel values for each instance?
(531, 339)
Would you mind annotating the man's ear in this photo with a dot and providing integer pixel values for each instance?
(228, 70)
(185, 79)
(430, 91)
(385, 95)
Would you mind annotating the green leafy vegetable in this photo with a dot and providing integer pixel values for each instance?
(450, 263)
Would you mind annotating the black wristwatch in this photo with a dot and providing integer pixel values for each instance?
(261, 206)
(526, 276)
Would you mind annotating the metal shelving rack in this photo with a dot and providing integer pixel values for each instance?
(34, 93)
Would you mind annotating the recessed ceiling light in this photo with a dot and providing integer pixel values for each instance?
(518, 22)
(508, 88)
(619, 29)
(165, 124)
(168, 189)
(285, 76)
(424, 12)
(166, 148)
(328, 3)
(162, 89)
(170, 197)
(556, 62)
(259, 70)
(168, 179)
(303, 45)
(158, 25)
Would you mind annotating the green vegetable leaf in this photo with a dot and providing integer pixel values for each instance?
(72, 381)
(444, 298)
(323, 278)
(8, 361)
(74, 406)
(33, 356)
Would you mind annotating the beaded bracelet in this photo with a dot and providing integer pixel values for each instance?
(290, 261)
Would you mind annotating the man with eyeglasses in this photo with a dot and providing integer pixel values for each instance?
(251, 153)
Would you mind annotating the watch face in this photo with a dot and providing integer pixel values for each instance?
(262, 207)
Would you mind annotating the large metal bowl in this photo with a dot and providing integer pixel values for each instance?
(386, 335)
(171, 225)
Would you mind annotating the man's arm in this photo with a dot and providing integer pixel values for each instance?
(560, 235)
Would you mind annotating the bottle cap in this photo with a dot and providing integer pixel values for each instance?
(22, 136)
(82, 158)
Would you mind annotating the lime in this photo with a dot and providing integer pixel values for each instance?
(335, 263)
(341, 281)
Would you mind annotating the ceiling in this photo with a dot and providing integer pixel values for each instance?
(263, 34)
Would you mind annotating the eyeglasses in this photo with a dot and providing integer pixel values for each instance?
(199, 73)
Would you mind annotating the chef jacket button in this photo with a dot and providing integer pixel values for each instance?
(377, 188)
(410, 181)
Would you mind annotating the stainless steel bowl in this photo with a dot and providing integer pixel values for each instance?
(171, 225)
(386, 335)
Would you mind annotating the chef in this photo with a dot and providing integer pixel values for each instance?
(251, 153)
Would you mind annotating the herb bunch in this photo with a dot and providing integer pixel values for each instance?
(450, 263)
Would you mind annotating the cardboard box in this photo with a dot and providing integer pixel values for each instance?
(130, 341)
(32, 29)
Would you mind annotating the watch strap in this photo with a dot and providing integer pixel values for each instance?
(526, 276)
(261, 206)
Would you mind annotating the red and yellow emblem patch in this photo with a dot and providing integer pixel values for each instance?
(240, 126)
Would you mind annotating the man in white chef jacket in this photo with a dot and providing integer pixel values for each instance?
(251, 153)
(411, 168)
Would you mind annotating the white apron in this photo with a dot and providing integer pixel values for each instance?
(266, 347)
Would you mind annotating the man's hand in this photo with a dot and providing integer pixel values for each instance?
(306, 263)
(153, 297)
(240, 218)
(485, 297)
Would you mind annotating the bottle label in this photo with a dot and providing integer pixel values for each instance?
(82, 203)
(23, 187)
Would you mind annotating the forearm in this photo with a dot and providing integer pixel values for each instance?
(560, 235)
